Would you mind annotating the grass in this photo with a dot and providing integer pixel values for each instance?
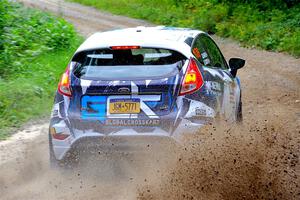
(35, 49)
(272, 25)
(31, 94)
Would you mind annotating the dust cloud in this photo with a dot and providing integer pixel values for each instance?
(259, 160)
(100, 175)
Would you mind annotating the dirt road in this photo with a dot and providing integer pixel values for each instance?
(257, 160)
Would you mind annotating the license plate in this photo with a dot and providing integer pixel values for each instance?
(124, 106)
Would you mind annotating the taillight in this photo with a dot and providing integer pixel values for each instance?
(124, 47)
(64, 84)
(193, 79)
(58, 136)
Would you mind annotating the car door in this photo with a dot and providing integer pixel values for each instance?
(220, 85)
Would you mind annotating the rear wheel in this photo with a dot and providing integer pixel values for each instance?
(58, 164)
(240, 112)
(54, 163)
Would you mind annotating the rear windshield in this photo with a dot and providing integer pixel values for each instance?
(107, 64)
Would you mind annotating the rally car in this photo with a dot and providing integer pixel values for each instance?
(126, 88)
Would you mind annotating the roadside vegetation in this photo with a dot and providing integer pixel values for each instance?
(34, 50)
(269, 24)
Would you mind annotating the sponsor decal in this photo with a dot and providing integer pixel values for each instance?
(204, 54)
(196, 52)
(54, 113)
(200, 112)
(213, 85)
(93, 107)
(213, 88)
(132, 122)
(206, 61)
(55, 110)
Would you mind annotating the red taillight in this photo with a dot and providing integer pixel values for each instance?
(64, 84)
(193, 79)
(124, 47)
(58, 136)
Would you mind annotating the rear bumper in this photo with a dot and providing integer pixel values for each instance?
(125, 140)
(114, 144)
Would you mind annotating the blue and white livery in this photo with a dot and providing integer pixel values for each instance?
(134, 85)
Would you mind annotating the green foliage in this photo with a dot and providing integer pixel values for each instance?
(31, 94)
(3, 18)
(263, 4)
(26, 33)
(268, 24)
(36, 48)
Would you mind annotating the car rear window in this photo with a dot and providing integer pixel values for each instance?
(127, 64)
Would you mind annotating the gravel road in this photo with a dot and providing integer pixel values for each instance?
(258, 160)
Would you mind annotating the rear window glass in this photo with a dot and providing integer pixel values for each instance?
(127, 64)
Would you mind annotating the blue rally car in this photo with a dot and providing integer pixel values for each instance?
(126, 88)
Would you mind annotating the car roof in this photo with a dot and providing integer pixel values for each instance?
(156, 37)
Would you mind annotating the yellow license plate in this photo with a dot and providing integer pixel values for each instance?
(124, 106)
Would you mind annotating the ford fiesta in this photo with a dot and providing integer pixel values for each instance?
(126, 88)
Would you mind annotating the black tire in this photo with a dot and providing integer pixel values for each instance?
(54, 163)
(65, 164)
(240, 112)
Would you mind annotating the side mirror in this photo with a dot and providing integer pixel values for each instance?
(235, 64)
